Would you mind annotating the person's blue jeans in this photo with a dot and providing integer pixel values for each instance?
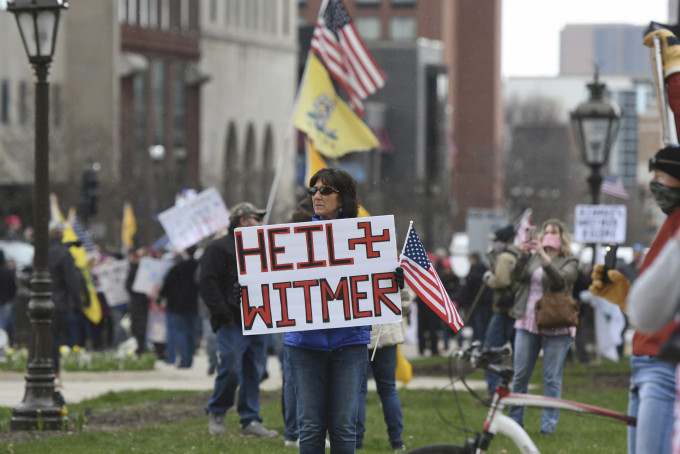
(527, 348)
(241, 360)
(210, 342)
(290, 408)
(650, 400)
(501, 329)
(181, 337)
(7, 320)
(383, 367)
(327, 385)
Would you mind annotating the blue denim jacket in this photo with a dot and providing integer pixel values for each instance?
(328, 339)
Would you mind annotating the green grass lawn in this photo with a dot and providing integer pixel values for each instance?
(429, 417)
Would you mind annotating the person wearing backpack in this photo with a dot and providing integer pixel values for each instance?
(502, 256)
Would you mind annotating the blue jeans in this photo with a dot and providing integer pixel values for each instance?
(383, 366)
(290, 408)
(501, 329)
(7, 320)
(182, 332)
(210, 341)
(327, 385)
(527, 348)
(241, 360)
(651, 399)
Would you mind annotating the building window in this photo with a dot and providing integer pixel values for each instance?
(179, 110)
(252, 14)
(368, 3)
(165, 14)
(143, 13)
(139, 121)
(159, 96)
(213, 11)
(234, 13)
(4, 102)
(153, 13)
(270, 16)
(184, 23)
(369, 27)
(56, 105)
(285, 13)
(23, 103)
(403, 28)
(403, 3)
(132, 12)
(122, 11)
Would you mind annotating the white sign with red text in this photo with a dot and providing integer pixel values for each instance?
(317, 275)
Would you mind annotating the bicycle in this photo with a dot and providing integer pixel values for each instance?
(496, 421)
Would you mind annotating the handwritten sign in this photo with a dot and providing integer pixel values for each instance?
(197, 218)
(600, 223)
(150, 275)
(316, 275)
(111, 277)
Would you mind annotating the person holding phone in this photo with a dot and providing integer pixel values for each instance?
(545, 263)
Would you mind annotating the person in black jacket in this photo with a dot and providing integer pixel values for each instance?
(8, 291)
(139, 302)
(241, 357)
(181, 294)
(65, 289)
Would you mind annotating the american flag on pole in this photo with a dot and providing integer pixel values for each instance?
(613, 186)
(345, 55)
(421, 276)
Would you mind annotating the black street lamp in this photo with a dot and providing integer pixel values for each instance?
(38, 22)
(595, 124)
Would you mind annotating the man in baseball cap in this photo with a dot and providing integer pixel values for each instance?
(245, 209)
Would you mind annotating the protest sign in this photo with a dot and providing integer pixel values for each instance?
(150, 275)
(315, 275)
(111, 278)
(600, 223)
(196, 218)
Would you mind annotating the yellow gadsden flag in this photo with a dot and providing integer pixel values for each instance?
(316, 162)
(128, 226)
(330, 123)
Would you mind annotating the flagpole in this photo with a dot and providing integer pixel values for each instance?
(289, 130)
(410, 226)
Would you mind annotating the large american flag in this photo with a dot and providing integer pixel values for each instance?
(345, 55)
(421, 276)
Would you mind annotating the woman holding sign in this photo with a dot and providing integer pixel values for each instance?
(328, 365)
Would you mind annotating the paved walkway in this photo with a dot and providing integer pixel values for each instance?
(83, 385)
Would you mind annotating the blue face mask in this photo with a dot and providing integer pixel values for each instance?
(666, 197)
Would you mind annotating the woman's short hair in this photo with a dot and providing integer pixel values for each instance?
(564, 235)
(343, 182)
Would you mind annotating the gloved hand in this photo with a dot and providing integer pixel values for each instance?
(670, 49)
(616, 292)
(238, 292)
(399, 277)
(487, 274)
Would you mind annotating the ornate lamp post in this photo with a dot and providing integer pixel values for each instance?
(38, 22)
(595, 124)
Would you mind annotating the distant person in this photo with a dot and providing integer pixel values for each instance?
(138, 306)
(545, 264)
(14, 226)
(66, 289)
(501, 329)
(242, 357)
(452, 285)
(477, 298)
(181, 295)
(8, 292)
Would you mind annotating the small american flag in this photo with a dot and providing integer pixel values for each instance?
(82, 234)
(420, 275)
(613, 186)
(345, 55)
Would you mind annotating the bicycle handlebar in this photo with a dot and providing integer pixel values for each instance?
(487, 358)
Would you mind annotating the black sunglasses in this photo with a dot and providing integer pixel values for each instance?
(324, 190)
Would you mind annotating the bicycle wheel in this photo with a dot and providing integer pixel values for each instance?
(440, 449)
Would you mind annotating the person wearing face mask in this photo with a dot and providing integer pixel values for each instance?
(546, 262)
(652, 381)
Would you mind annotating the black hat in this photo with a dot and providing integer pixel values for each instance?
(667, 160)
(244, 209)
(505, 234)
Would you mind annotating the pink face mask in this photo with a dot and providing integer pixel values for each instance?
(552, 240)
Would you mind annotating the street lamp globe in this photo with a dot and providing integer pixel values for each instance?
(595, 124)
(38, 22)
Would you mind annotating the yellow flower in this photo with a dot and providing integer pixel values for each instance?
(76, 349)
(64, 411)
(64, 350)
(10, 351)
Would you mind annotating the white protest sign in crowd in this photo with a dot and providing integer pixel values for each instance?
(150, 275)
(600, 223)
(111, 277)
(197, 218)
(316, 275)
